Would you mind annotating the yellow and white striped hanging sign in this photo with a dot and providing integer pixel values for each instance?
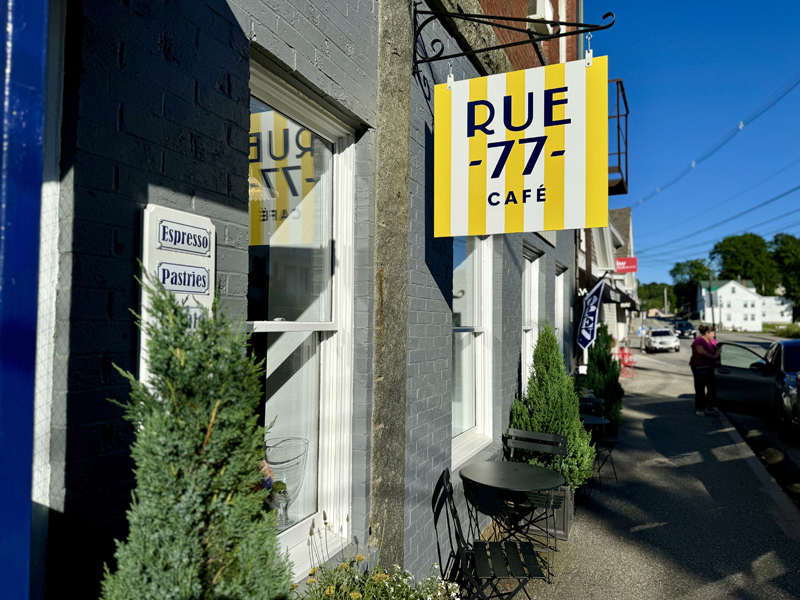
(522, 151)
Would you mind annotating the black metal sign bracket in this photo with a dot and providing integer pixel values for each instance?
(422, 56)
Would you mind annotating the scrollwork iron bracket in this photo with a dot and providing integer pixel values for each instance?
(421, 56)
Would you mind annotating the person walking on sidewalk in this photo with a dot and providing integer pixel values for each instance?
(704, 357)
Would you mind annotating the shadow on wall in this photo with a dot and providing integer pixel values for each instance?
(438, 251)
(155, 109)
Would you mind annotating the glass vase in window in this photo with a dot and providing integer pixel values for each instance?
(292, 406)
(291, 193)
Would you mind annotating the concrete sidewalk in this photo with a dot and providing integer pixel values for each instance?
(694, 515)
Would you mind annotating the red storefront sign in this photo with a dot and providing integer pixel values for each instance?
(627, 265)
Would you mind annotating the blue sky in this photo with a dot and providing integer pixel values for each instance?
(692, 71)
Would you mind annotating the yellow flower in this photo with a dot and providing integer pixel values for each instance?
(310, 581)
(330, 590)
(355, 595)
(312, 571)
(380, 577)
(294, 586)
(359, 558)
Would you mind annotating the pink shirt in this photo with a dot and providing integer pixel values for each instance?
(697, 358)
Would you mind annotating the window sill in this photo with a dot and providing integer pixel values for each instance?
(300, 555)
(469, 447)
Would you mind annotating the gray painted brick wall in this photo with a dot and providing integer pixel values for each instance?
(429, 415)
(430, 264)
(156, 110)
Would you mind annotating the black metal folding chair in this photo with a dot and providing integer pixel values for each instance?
(480, 567)
(604, 446)
(532, 517)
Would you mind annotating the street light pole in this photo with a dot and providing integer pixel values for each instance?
(711, 299)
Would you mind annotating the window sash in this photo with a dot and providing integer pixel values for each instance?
(334, 490)
(470, 442)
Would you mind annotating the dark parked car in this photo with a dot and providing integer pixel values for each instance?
(685, 329)
(767, 384)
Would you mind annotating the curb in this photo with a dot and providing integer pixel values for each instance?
(785, 512)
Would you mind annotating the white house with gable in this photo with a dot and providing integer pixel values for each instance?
(736, 306)
(776, 309)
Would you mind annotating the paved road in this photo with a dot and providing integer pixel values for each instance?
(756, 424)
(694, 515)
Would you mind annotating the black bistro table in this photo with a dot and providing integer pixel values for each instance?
(494, 488)
(593, 420)
(512, 476)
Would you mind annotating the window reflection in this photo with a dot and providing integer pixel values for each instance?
(464, 288)
(290, 220)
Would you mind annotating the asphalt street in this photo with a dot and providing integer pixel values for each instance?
(755, 423)
(695, 514)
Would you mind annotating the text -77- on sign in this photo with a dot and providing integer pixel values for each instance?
(522, 151)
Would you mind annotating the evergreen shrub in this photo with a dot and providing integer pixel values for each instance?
(602, 375)
(550, 405)
(789, 331)
(197, 524)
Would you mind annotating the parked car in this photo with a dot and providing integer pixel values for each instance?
(662, 339)
(685, 329)
(768, 384)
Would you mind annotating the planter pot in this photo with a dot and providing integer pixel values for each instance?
(564, 515)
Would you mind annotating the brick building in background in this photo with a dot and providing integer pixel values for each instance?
(396, 354)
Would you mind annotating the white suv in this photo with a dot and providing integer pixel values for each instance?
(662, 339)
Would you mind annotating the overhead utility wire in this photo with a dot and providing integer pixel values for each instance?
(743, 230)
(695, 253)
(766, 105)
(744, 191)
(749, 228)
(729, 219)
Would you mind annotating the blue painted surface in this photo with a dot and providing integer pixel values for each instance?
(23, 59)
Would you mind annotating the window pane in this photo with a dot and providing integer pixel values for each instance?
(465, 292)
(792, 359)
(530, 293)
(463, 382)
(291, 192)
(734, 356)
(292, 400)
(530, 314)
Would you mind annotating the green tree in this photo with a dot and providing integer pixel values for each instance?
(197, 524)
(685, 277)
(785, 250)
(651, 295)
(550, 405)
(747, 256)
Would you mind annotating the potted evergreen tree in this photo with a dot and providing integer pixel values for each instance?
(550, 405)
(197, 523)
(602, 376)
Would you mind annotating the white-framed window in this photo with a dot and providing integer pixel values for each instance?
(300, 307)
(745, 317)
(728, 316)
(753, 317)
(560, 283)
(733, 290)
(728, 304)
(752, 303)
(531, 276)
(471, 361)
